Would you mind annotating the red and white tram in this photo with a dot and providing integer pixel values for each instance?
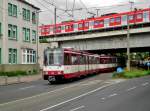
(66, 63)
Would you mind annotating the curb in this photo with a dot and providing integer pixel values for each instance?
(4, 80)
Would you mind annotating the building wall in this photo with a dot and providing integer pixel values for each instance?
(1, 22)
(19, 43)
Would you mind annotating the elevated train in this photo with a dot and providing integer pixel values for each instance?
(114, 20)
(67, 63)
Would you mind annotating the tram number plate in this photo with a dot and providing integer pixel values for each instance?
(51, 78)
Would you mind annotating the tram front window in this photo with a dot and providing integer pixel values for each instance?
(55, 57)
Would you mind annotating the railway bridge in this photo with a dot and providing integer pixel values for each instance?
(108, 40)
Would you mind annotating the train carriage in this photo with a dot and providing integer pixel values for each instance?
(67, 63)
(113, 20)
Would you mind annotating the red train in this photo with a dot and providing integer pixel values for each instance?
(67, 63)
(106, 21)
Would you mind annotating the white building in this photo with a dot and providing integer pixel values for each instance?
(18, 35)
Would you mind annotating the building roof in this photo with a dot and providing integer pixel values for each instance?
(24, 1)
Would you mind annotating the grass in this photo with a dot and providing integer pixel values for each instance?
(131, 74)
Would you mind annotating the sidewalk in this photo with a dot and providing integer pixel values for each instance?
(19, 79)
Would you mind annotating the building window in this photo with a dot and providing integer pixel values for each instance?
(28, 56)
(0, 56)
(26, 14)
(33, 36)
(33, 18)
(12, 31)
(0, 29)
(12, 10)
(12, 56)
(26, 34)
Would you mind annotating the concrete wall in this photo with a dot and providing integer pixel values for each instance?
(111, 42)
(19, 67)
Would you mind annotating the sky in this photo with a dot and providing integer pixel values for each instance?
(88, 7)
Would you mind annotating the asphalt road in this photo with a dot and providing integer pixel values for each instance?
(97, 93)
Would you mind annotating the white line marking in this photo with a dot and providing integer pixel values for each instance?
(144, 84)
(131, 88)
(103, 98)
(24, 88)
(42, 94)
(92, 82)
(77, 108)
(82, 95)
(112, 95)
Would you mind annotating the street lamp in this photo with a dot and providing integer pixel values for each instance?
(128, 38)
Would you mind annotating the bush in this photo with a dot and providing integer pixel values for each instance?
(132, 74)
(13, 73)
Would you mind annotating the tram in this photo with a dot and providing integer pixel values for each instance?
(66, 63)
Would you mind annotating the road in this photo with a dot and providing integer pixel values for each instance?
(97, 93)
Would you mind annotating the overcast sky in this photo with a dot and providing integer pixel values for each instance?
(105, 6)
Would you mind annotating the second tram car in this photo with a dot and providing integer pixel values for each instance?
(67, 63)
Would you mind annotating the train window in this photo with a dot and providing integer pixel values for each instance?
(86, 24)
(112, 20)
(82, 59)
(50, 58)
(97, 60)
(74, 59)
(42, 30)
(124, 18)
(87, 59)
(51, 29)
(66, 59)
(139, 16)
(131, 17)
(145, 15)
(80, 25)
(67, 27)
(62, 28)
(75, 25)
(58, 27)
(91, 23)
(118, 19)
(47, 29)
(98, 22)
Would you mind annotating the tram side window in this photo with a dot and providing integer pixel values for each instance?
(66, 59)
(90, 60)
(82, 59)
(74, 59)
(97, 60)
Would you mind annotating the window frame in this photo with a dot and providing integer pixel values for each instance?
(12, 56)
(28, 56)
(12, 10)
(12, 31)
(34, 36)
